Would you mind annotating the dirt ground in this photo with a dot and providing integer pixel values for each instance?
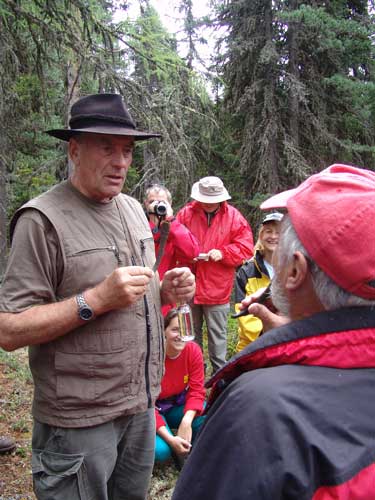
(15, 420)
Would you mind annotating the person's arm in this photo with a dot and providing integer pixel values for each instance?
(185, 244)
(249, 326)
(179, 445)
(196, 393)
(240, 247)
(185, 430)
(43, 323)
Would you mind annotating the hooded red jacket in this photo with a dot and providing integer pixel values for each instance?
(228, 232)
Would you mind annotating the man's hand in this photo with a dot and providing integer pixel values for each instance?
(178, 286)
(215, 255)
(122, 288)
(151, 211)
(269, 319)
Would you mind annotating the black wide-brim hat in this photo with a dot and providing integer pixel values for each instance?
(101, 114)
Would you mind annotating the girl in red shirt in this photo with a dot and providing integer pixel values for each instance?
(181, 400)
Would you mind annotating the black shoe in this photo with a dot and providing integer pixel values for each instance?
(179, 461)
(6, 444)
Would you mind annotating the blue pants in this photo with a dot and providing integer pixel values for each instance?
(172, 419)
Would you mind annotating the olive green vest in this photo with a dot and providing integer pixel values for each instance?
(113, 365)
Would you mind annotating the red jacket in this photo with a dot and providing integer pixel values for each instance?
(185, 371)
(180, 249)
(228, 232)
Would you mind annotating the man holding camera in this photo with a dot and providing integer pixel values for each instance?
(181, 245)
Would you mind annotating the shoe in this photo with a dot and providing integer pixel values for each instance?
(179, 461)
(6, 444)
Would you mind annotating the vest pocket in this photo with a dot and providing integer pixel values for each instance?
(58, 476)
(92, 264)
(89, 379)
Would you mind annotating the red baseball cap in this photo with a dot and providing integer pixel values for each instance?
(332, 213)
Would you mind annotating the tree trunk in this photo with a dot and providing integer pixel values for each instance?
(294, 77)
(73, 81)
(3, 212)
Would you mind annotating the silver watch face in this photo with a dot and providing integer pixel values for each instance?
(84, 310)
(85, 313)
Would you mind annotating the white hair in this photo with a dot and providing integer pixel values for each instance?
(331, 295)
(157, 188)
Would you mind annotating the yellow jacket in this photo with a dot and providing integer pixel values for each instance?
(251, 276)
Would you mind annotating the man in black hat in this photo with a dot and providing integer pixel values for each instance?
(80, 291)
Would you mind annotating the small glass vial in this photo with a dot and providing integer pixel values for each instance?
(185, 322)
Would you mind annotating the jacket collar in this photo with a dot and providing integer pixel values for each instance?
(344, 338)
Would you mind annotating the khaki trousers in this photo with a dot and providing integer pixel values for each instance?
(216, 317)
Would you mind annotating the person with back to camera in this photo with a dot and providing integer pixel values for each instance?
(295, 409)
(80, 291)
(226, 242)
(181, 400)
(254, 274)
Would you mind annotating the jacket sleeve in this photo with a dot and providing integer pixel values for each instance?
(249, 327)
(185, 244)
(159, 420)
(241, 245)
(181, 215)
(196, 394)
(240, 284)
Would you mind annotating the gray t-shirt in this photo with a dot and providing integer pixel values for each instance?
(35, 265)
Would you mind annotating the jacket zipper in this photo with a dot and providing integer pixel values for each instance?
(109, 248)
(148, 334)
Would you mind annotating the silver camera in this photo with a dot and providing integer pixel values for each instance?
(160, 208)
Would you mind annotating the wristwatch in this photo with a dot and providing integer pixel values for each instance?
(84, 310)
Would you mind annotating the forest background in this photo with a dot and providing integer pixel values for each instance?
(289, 89)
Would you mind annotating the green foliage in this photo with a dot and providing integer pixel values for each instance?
(232, 337)
(22, 425)
(22, 451)
(294, 92)
(14, 366)
(298, 80)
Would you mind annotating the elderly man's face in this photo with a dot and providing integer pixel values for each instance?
(101, 164)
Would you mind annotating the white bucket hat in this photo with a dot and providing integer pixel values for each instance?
(209, 190)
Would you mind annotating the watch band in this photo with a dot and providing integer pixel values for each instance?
(84, 310)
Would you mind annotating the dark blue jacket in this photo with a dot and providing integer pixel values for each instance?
(292, 416)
